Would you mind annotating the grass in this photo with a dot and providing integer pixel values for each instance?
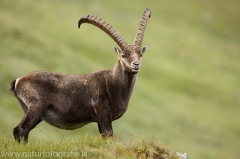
(188, 91)
(86, 146)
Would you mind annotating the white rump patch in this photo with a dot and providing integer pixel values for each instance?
(16, 82)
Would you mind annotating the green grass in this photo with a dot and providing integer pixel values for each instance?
(188, 91)
(86, 146)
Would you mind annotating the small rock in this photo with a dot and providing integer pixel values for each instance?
(182, 155)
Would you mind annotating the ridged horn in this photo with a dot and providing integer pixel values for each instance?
(107, 28)
(143, 23)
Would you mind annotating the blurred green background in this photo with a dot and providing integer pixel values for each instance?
(188, 90)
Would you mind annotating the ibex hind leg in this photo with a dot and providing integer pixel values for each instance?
(21, 134)
(31, 118)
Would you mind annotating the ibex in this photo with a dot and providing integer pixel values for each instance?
(69, 101)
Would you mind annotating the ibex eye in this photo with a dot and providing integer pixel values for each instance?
(123, 56)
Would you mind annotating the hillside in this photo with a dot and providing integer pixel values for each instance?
(89, 147)
(188, 90)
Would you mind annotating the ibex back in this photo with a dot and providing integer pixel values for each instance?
(72, 101)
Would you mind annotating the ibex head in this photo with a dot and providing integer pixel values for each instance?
(129, 55)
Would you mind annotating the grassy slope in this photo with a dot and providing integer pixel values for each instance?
(86, 146)
(188, 90)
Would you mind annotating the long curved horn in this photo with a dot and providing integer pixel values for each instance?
(107, 28)
(143, 23)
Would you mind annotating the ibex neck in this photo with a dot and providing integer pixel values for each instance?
(125, 80)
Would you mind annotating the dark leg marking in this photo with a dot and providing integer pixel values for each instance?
(29, 121)
(105, 124)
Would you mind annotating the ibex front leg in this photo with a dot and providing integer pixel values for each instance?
(105, 124)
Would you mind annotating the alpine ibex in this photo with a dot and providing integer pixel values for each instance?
(71, 101)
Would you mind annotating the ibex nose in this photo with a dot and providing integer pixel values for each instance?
(136, 63)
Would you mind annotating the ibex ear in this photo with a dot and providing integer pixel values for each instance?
(116, 50)
(143, 49)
